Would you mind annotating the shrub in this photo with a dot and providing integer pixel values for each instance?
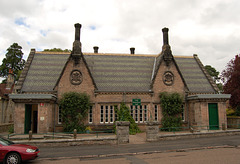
(11, 129)
(171, 123)
(74, 110)
(123, 114)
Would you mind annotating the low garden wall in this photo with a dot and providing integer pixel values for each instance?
(233, 122)
(5, 127)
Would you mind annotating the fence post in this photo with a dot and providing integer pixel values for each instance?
(30, 135)
(122, 130)
(75, 133)
(152, 130)
(223, 126)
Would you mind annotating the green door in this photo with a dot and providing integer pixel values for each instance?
(28, 113)
(213, 116)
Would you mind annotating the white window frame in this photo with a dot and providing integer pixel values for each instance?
(145, 113)
(107, 114)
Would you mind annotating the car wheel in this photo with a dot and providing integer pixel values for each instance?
(13, 158)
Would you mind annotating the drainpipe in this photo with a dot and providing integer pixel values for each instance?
(54, 119)
(187, 110)
(2, 109)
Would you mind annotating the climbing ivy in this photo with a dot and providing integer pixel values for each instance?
(74, 110)
(171, 104)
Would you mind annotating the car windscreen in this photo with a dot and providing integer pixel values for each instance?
(5, 142)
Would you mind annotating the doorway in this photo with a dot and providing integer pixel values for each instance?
(213, 116)
(31, 118)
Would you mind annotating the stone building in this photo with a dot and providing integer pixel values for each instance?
(6, 104)
(110, 79)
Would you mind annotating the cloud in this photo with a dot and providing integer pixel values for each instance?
(207, 28)
(21, 21)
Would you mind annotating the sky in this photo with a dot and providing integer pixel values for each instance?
(208, 28)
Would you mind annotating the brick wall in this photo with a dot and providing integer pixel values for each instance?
(19, 117)
(159, 86)
(65, 85)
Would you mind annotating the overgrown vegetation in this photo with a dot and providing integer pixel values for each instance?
(123, 114)
(74, 110)
(231, 79)
(11, 129)
(57, 50)
(171, 104)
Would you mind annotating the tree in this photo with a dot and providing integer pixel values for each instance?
(212, 72)
(13, 60)
(57, 50)
(231, 80)
(75, 108)
(215, 75)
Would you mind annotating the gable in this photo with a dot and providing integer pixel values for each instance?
(167, 78)
(75, 78)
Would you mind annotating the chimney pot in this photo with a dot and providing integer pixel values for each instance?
(95, 48)
(77, 31)
(165, 36)
(132, 50)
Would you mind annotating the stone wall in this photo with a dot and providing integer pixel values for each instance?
(233, 122)
(152, 130)
(5, 127)
(6, 111)
(199, 114)
(19, 115)
(122, 130)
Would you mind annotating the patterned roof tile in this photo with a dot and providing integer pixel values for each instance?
(112, 72)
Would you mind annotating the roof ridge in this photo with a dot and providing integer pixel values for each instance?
(52, 52)
(119, 54)
(110, 54)
(180, 56)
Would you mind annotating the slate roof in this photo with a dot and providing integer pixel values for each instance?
(112, 72)
(195, 79)
(121, 72)
(44, 71)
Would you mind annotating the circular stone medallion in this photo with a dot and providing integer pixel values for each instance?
(76, 77)
(168, 78)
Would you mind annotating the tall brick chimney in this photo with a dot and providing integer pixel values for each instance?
(132, 50)
(165, 36)
(77, 46)
(10, 79)
(166, 49)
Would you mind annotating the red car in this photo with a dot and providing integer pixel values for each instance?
(11, 153)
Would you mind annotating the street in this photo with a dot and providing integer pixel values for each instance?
(206, 156)
(208, 150)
